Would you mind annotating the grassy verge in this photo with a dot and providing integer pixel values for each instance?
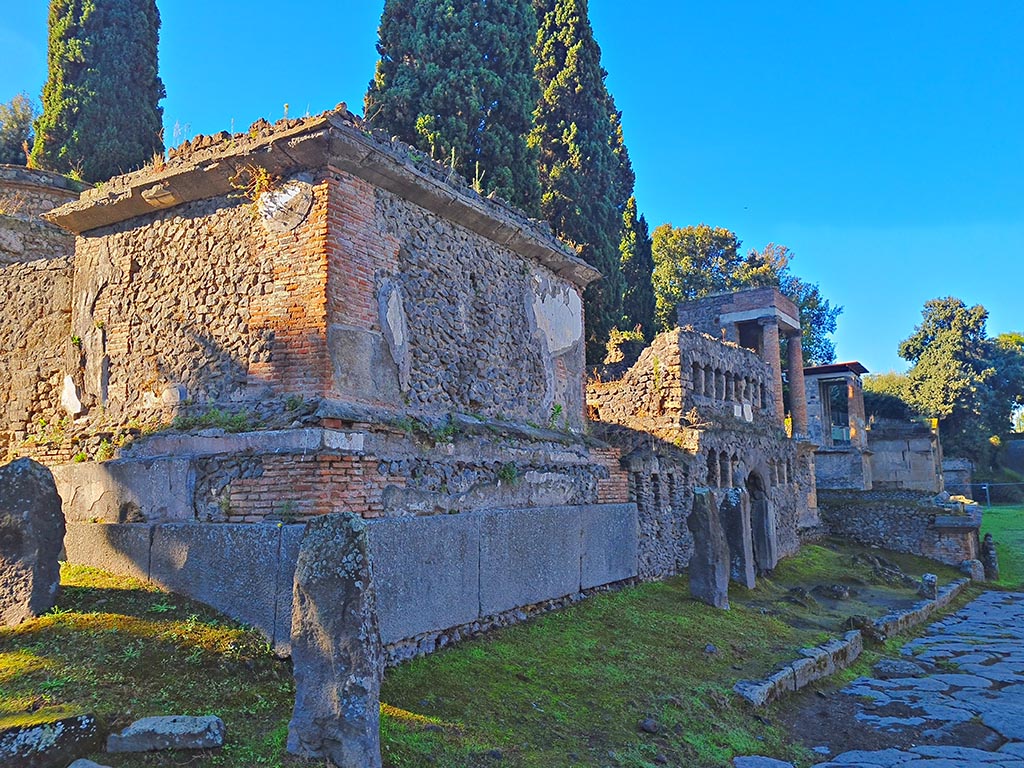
(1006, 524)
(567, 689)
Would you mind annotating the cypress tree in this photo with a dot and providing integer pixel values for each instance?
(455, 78)
(101, 113)
(584, 170)
(637, 263)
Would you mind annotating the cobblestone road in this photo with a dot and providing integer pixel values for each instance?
(968, 667)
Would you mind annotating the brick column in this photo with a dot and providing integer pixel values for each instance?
(771, 352)
(797, 394)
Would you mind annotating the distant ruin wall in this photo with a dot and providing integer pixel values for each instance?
(35, 347)
(903, 521)
(905, 456)
(437, 579)
(29, 192)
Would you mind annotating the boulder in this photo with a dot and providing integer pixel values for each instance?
(709, 565)
(172, 732)
(50, 744)
(974, 569)
(337, 658)
(31, 537)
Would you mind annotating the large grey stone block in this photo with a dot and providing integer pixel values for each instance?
(528, 556)
(291, 541)
(152, 490)
(427, 573)
(122, 549)
(611, 543)
(231, 567)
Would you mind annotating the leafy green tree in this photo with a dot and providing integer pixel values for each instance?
(16, 118)
(455, 78)
(585, 172)
(691, 262)
(637, 266)
(101, 113)
(960, 376)
(886, 395)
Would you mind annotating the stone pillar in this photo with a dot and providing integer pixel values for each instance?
(772, 354)
(709, 565)
(797, 394)
(337, 658)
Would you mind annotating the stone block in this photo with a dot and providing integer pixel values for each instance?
(51, 744)
(974, 569)
(337, 658)
(528, 556)
(122, 549)
(362, 364)
(230, 567)
(709, 564)
(291, 540)
(31, 537)
(427, 573)
(611, 542)
(128, 491)
(151, 734)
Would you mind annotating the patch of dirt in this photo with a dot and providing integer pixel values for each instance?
(822, 716)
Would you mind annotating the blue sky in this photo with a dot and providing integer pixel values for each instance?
(883, 142)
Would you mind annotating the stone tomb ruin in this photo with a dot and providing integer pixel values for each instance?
(881, 482)
(337, 325)
(696, 412)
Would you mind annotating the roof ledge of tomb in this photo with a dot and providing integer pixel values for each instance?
(209, 166)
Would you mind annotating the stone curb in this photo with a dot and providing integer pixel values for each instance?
(823, 660)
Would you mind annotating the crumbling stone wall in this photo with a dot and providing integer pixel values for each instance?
(35, 343)
(696, 412)
(29, 192)
(903, 521)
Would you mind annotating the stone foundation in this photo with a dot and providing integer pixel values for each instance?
(904, 521)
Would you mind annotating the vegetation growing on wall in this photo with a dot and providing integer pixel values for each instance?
(101, 113)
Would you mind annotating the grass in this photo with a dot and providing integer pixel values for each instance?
(1006, 524)
(566, 689)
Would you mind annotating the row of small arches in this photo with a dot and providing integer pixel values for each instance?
(722, 385)
(723, 471)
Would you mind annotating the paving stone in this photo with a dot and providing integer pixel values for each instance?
(889, 668)
(756, 761)
(1013, 748)
(885, 757)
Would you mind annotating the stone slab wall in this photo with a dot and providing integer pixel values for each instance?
(903, 521)
(842, 468)
(905, 455)
(432, 574)
(957, 475)
(35, 344)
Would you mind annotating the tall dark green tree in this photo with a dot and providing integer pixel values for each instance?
(637, 265)
(584, 170)
(101, 102)
(455, 78)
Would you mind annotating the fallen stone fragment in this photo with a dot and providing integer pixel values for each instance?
(48, 744)
(756, 761)
(31, 537)
(887, 669)
(83, 763)
(173, 732)
(975, 569)
(649, 725)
